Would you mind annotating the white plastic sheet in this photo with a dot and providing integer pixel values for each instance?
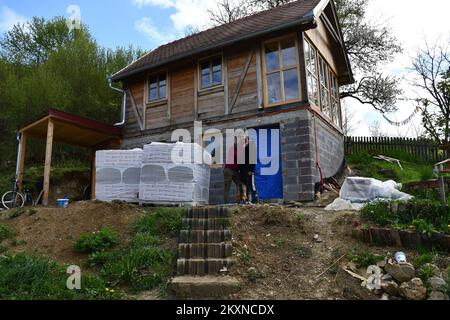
(357, 191)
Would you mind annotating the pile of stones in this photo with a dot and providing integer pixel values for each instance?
(390, 280)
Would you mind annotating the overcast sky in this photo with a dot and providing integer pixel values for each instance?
(149, 23)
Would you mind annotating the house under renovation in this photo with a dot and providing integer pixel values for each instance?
(277, 69)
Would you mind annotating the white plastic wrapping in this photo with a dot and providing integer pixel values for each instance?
(175, 173)
(357, 189)
(118, 175)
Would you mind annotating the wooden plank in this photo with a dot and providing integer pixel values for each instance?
(241, 80)
(136, 110)
(225, 85)
(48, 161)
(259, 84)
(21, 161)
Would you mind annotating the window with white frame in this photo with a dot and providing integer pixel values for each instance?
(311, 73)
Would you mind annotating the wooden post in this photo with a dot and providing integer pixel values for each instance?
(442, 185)
(48, 161)
(93, 174)
(21, 161)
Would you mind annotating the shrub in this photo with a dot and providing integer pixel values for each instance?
(364, 259)
(6, 232)
(102, 240)
(378, 212)
(162, 222)
(423, 227)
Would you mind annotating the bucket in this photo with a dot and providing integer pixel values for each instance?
(400, 257)
(62, 203)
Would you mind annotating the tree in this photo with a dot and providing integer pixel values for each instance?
(32, 42)
(432, 67)
(370, 46)
(65, 70)
(227, 11)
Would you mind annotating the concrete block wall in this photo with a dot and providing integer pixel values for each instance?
(331, 150)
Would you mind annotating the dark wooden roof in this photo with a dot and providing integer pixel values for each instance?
(263, 22)
(75, 130)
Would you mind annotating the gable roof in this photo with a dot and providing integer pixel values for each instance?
(290, 15)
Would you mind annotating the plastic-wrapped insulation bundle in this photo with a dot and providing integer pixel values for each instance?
(118, 175)
(175, 174)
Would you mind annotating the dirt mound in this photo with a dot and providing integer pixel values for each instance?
(53, 231)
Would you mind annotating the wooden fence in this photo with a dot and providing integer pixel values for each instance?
(420, 149)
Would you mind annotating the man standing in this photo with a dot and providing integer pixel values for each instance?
(247, 172)
(231, 173)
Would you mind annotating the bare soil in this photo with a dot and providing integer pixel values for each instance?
(278, 256)
(52, 232)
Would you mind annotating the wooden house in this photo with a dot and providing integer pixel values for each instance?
(277, 69)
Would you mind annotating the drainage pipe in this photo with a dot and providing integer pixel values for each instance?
(124, 103)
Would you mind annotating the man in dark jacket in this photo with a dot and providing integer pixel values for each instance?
(247, 172)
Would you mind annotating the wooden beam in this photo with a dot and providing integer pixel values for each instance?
(48, 161)
(23, 130)
(196, 80)
(225, 84)
(301, 57)
(93, 174)
(136, 110)
(241, 80)
(21, 161)
(259, 79)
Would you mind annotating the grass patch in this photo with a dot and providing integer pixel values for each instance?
(6, 232)
(423, 215)
(102, 240)
(364, 259)
(143, 264)
(382, 170)
(26, 277)
(163, 221)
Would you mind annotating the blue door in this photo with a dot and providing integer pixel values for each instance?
(268, 175)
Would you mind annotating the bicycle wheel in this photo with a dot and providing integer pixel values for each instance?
(13, 200)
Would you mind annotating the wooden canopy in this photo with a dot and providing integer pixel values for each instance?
(68, 129)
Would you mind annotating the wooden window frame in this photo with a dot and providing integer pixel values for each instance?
(314, 74)
(329, 72)
(324, 85)
(293, 36)
(199, 72)
(147, 89)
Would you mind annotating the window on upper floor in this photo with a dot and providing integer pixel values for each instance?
(323, 86)
(157, 87)
(281, 71)
(211, 72)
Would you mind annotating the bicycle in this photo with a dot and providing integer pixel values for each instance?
(15, 199)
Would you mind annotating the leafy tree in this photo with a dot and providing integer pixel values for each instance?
(432, 67)
(44, 65)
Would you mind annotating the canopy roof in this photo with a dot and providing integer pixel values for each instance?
(74, 130)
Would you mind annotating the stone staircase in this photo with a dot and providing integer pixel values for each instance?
(205, 254)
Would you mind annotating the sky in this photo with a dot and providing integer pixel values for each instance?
(150, 23)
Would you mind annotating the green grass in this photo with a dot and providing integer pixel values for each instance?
(6, 232)
(26, 277)
(102, 240)
(424, 215)
(364, 259)
(163, 221)
(373, 168)
(144, 264)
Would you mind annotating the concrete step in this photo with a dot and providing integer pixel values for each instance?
(202, 267)
(206, 213)
(204, 287)
(205, 224)
(205, 250)
(204, 236)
